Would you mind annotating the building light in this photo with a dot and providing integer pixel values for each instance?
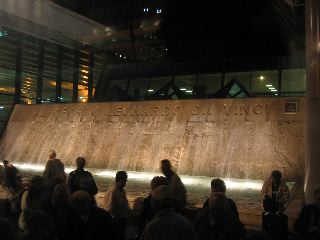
(276, 94)
(189, 91)
(146, 9)
(183, 89)
(274, 90)
(124, 57)
(158, 11)
(85, 77)
(150, 90)
(120, 55)
(261, 77)
(84, 71)
(269, 85)
(271, 88)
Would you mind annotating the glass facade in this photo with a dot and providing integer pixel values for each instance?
(34, 71)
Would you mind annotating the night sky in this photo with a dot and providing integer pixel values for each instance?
(225, 29)
(205, 30)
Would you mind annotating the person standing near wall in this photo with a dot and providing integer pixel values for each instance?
(175, 185)
(54, 169)
(116, 203)
(80, 179)
(275, 194)
(11, 177)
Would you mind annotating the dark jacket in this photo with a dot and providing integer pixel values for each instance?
(308, 222)
(98, 225)
(224, 226)
(82, 180)
(54, 170)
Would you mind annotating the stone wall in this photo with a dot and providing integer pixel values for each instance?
(239, 138)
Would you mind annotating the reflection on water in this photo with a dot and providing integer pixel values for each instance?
(245, 192)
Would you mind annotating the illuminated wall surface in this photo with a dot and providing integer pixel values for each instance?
(239, 138)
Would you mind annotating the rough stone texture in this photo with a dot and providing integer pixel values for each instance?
(239, 138)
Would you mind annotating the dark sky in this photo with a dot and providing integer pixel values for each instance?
(201, 30)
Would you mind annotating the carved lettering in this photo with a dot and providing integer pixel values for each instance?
(244, 109)
(195, 110)
(257, 109)
(177, 110)
(165, 111)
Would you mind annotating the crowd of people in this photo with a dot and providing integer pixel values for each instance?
(60, 207)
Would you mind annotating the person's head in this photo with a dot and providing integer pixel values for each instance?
(81, 202)
(161, 198)
(60, 195)
(36, 184)
(5, 162)
(52, 154)
(121, 179)
(218, 185)
(81, 162)
(276, 176)
(166, 167)
(158, 181)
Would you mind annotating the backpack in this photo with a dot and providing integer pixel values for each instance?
(86, 183)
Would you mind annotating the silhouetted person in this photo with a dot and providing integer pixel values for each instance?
(219, 186)
(38, 226)
(175, 185)
(35, 197)
(80, 179)
(166, 224)
(148, 212)
(116, 203)
(7, 230)
(11, 177)
(218, 220)
(308, 222)
(275, 194)
(90, 222)
(54, 169)
(60, 211)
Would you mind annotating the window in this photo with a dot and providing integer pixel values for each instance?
(265, 83)
(294, 81)
(209, 83)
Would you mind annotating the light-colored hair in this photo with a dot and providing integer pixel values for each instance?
(52, 154)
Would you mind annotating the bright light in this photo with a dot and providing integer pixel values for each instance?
(85, 77)
(199, 181)
(120, 55)
(271, 88)
(146, 9)
(84, 71)
(261, 77)
(269, 85)
(276, 94)
(189, 91)
(1, 107)
(274, 90)
(84, 81)
(158, 11)
(124, 57)
(150, 90)
(183, 89)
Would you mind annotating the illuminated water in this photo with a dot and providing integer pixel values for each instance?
(246, 193)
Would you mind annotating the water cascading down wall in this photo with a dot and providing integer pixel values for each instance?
(238, 138)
